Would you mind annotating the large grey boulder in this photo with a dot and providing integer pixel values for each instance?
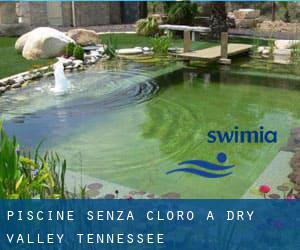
(20, 43)
(84, 37)
(42, 42)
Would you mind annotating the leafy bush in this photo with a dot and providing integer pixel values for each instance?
(110, 48)
(69, 49)
(161, 45)
(78, 52)
(23, 177)
(182, 13)
(148, 27)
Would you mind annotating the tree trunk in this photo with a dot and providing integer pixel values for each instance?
(218, 19)
(273, 12)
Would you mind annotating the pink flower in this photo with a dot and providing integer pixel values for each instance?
(264, 189)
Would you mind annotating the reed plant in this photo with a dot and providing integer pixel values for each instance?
(27, 176)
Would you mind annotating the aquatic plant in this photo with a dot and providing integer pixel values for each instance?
(271, 44)
(82, 193)
(295, 57)
(161, 45)
(24, 177)
(110, 48)
(255, 43)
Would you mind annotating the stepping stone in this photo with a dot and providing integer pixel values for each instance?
(132, 51)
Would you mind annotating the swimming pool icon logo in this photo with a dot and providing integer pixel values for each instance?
(202, 166)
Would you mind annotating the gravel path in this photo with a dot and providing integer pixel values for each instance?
(266, 35)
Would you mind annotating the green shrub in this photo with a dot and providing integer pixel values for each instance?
(161, 45)
(78, 52)
(182, 13)
(69, 49)
(25, 177)
(148, 27)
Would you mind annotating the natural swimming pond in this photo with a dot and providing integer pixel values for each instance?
(131, 123)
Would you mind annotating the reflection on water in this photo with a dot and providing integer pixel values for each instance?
(122, 125)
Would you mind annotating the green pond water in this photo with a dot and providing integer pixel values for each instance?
(130, 123)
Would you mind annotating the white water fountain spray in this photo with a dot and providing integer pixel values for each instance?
(62, 84)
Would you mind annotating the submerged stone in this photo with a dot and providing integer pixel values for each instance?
(92, 193)
(109, 196)
(274, 196)
(95, 186)
(171, 195)
(283, 188)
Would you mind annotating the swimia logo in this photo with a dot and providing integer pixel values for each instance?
(204, 168)
(242, 136)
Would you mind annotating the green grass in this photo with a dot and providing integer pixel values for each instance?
(11, 62)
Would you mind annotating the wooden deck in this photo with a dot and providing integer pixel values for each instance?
(214, 53)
